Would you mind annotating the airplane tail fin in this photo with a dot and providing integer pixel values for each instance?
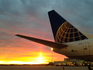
(63, 31)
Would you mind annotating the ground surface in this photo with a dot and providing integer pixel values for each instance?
(40, 68)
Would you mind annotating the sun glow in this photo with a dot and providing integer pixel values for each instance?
(40, 58)
(18, 62)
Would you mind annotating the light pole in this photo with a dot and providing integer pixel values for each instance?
(52, 54)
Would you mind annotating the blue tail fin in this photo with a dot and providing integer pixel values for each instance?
(63, 31)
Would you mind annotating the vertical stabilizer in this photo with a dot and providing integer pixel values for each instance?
(63, 31)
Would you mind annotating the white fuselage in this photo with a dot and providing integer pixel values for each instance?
(79, 49)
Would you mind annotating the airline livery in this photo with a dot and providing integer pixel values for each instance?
(69, 41)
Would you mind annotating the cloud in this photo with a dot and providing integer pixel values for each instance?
(29, 17)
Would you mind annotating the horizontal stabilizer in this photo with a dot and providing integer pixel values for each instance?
(44, 42)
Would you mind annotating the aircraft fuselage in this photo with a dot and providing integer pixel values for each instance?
(79, 49)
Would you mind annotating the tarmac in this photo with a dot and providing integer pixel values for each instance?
(41, 68)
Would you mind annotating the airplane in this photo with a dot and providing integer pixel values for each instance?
(69, 41)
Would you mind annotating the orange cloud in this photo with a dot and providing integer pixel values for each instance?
(26, 53)
(18, 50)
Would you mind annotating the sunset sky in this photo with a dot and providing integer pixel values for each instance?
(29, 17)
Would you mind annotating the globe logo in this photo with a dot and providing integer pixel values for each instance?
(68, 33)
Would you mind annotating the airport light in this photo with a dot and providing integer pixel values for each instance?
(51, 49)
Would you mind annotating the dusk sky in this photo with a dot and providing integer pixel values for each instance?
(29, 17)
